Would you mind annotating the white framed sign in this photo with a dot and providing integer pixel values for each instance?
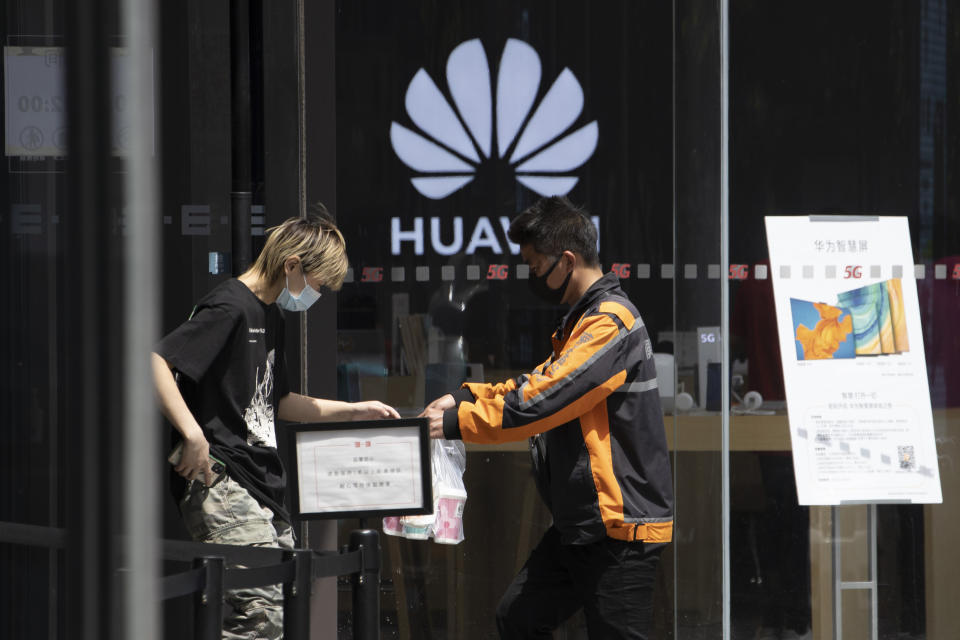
(854, 369)
(361, 469)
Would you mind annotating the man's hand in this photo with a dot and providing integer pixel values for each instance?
(435, 420)
(195, 460)
(434, 414)
(372, 410)
(442, 403)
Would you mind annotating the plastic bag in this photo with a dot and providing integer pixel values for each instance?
(448, 460)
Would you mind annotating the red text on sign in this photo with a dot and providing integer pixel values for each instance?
(852, 271)
(621, 269)
(739, 271)
(372, 274)
(497, 272)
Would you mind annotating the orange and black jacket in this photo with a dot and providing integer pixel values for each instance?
(603, 462)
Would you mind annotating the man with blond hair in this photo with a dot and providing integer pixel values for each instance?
(221, 379)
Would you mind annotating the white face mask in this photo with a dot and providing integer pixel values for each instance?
(299, 302)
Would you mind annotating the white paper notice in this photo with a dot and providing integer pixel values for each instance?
(362, 470)
(35, 107)
(853, 360)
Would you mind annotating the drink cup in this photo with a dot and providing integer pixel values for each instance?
(448, 528)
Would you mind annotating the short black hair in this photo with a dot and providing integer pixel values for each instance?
(553, 225)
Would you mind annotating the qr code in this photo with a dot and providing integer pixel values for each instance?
(905, 454)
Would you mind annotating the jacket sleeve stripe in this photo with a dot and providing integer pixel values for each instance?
(531, 395)
(637, 387)
(482, 422)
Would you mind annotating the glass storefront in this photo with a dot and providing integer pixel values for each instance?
(438, 293)
(425, 127)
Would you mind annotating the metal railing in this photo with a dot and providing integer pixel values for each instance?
(215, 570)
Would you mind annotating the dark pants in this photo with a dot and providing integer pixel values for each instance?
(612, 581)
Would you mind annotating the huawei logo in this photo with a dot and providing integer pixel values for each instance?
(538, 147)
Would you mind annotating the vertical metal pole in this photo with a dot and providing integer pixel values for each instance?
(301, 112)
(296, 597)
(837, 574)
(302, 203)
(208, 603)
(675, 25)
(92, 361)
(56, 602)
(366, 585)
(139, 597)
(241, 196)
(872, 575)
(725, 302)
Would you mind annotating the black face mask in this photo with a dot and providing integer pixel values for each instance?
(540, 288)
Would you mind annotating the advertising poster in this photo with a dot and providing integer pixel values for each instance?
(848, 321)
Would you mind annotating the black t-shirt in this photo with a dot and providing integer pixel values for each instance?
(233, 373)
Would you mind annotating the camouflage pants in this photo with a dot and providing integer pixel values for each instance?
(227, 514)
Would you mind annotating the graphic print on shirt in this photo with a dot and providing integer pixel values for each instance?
(259, 415)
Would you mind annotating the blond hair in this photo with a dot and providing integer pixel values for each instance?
(314, 239)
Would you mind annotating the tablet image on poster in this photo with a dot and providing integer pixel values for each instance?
(848, 319)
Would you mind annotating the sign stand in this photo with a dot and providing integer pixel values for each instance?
(840, 585)
(851, 341)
